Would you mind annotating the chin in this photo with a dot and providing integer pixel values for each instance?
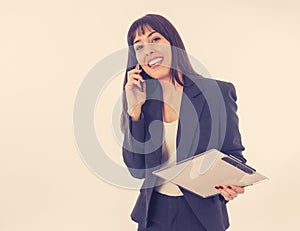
(159, 74)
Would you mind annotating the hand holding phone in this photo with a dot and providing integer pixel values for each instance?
(135, 90)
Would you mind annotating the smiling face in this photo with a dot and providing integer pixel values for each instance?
(153, 53)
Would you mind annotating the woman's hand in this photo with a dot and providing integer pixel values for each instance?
(135, 89)
(229, 192)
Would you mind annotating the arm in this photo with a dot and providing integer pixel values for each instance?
(141, 150)
(134, 124)
(133, 154)
(232, 144)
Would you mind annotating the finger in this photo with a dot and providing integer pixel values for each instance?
(237, 189)
(134, 71)
(132, 83)
(137, 69)
(230, 190)
(232, 193)
(226, 195)
(133, 77)
(229, 193)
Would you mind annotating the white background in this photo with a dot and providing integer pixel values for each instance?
(47, 48)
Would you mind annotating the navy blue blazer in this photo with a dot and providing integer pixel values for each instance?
(207, 119)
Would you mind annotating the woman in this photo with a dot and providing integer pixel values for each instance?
(162, 96)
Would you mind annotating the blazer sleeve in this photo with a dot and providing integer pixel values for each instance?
(133, 147)
(232, 143)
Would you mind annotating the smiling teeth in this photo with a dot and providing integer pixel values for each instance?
(154, 61)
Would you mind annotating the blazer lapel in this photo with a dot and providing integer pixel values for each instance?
(153, 109)
(188, 132)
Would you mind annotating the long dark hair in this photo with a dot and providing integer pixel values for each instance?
(180, 60)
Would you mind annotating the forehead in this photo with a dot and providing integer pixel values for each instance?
(142, 30)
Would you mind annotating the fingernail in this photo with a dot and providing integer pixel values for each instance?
(229, 187)
(216, 187)
(221, 187)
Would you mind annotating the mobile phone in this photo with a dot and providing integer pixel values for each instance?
(140, 83)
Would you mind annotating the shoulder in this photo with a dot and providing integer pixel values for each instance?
(227, 88)
(222, 84)
(213, 87)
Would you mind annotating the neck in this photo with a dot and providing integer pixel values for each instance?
(168, 80)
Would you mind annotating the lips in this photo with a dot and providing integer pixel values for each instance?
(156, 61)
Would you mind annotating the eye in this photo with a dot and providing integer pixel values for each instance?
(155, 39)
(138, 47)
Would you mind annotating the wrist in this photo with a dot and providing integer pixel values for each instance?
(136, 113)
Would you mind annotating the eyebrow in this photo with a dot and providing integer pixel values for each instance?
(151, 33)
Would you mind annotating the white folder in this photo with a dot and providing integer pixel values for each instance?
(201, 173)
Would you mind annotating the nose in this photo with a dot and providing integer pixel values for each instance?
(148, 49)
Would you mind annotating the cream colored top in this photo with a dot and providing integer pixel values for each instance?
(169, 158)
